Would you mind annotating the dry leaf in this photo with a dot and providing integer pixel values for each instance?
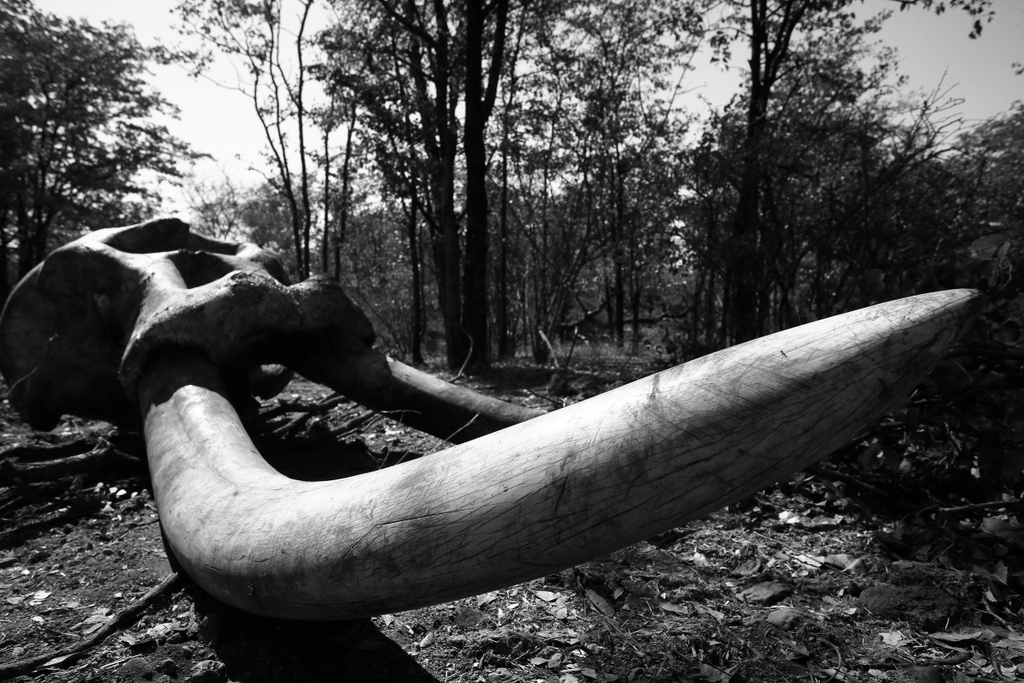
(673, 608)
(602, 605)
(893, 638)
(956, 637)
(1011, 533)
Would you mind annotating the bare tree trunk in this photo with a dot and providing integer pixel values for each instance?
(326, 236)
(745, 265)
(297, 97)
(479, 105)
(634, 306)
(474, 304)
(501, 321)
(346, 192)
(417, 287)
(450, 257)
(506, 343)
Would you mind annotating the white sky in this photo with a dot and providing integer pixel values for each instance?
(933, 50)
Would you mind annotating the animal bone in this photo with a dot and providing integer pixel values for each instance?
(78, 331)
(512, 505)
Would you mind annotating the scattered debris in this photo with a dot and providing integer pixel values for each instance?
(844, 586)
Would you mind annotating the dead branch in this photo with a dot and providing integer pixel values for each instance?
(12, 498)
(11, 537)
(360, 421)
(823, 471)
(67, 655)
(972, 506)
(322, 406)
(38, 452)
(103, 458)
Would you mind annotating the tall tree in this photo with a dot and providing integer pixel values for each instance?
(422, 59)
(438, 64)
(855, 189)
(480, 96)
(274, 57)
(598, 88)
(76, 129)
(768, 28)
(993, 154)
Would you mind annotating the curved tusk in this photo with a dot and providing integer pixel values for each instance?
(410, 396)
(536, 497)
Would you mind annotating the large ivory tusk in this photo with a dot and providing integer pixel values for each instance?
(533, 498)
(413, 397)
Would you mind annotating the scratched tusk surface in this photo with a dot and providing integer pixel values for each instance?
(533, 498)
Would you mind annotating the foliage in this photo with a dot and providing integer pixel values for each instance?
(972, 410)
(386, 294)
(428, 81)
(76, 131)
(216, 207)
(258, 214)
(254, 34)
(608, 211)
(993, 157)
(590, 146)
(979, 9)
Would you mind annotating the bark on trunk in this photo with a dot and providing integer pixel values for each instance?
(414, 261)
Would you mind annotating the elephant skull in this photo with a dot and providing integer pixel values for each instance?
(153, 321)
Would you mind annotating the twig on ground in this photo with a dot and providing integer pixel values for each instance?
(839, 663)
(11, 537)
(906, 663)
(322, 405)
(261, 424)
(37, 452)
(952, 660)
(551, 349)
(360, 421)
(988, 609)
(553, 401)
(291, 425)
(26, 494)
(69, 654)
(465, 362)
(471, 421)
(100, 459)
(972, 506)
(854, 481)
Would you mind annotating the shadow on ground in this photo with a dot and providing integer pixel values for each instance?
(259, 649)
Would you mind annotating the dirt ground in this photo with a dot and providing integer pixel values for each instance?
(836, 575)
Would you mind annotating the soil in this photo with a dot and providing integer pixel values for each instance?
(837, 575)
